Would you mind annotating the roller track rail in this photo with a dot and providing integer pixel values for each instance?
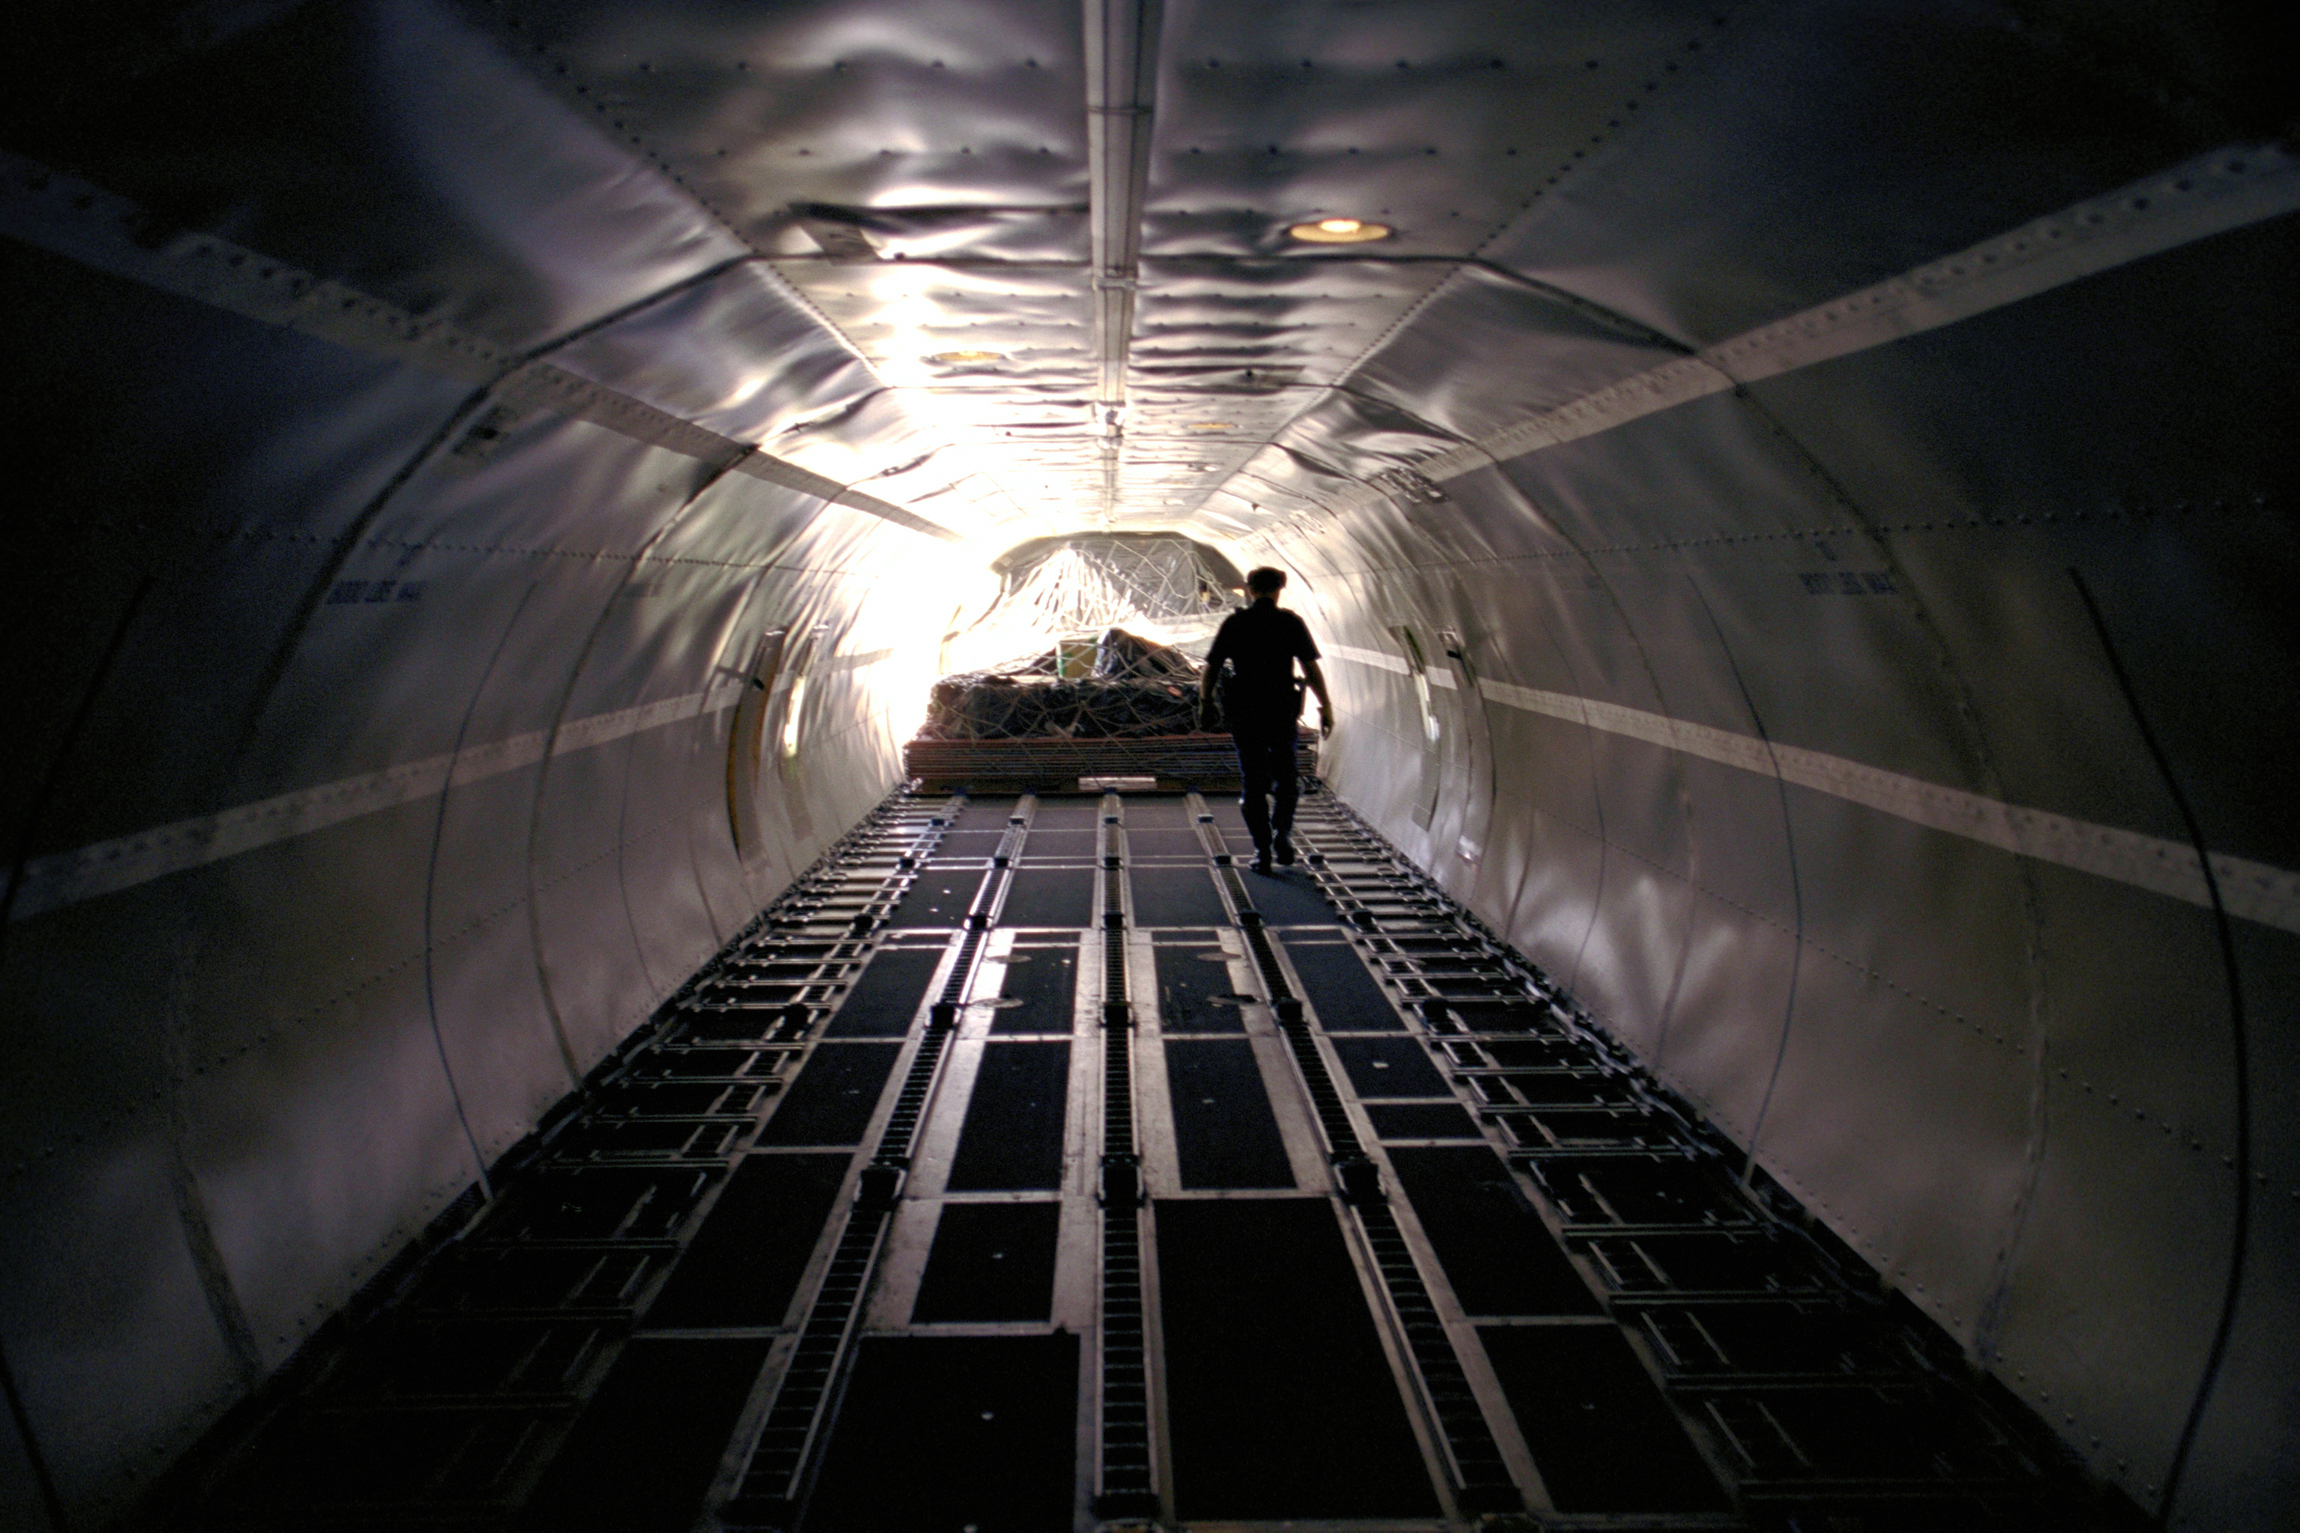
(733, 1280)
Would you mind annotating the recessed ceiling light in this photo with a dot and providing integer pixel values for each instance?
(1339, 231)
(1208, 426)
(952, 358)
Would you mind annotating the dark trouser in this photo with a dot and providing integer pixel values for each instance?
(1266, 767)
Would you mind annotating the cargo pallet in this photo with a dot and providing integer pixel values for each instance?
(1163, 763)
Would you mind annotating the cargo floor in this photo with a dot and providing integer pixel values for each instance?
(1055, 1181)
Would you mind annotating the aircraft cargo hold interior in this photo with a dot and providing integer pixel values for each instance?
(623, 911)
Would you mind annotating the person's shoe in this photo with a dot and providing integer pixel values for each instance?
(1286, 850)
(1262, 861)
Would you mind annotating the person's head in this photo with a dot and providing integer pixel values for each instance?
(1265, 583)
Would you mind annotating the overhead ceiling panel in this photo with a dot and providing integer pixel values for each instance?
(1916, 130)
(1486, 349)
(738, 353)
(918, 175)
(993, 356)
(391, 149)
(1445, 123)
(866, 105)
(1441, 120)
(1363, 435)
(868, 436)
(1034, 322)
(1243, 326)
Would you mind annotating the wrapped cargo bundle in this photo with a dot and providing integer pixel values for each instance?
(1136, 688)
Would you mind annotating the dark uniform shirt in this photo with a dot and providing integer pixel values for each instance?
(1261, 642)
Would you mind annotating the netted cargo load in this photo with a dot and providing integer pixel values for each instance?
(1117, 686)
(1108, 708)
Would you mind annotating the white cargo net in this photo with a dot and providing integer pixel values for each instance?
(1161, 586)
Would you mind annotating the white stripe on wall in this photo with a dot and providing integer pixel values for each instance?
(109, 866)
(2228, 188)
(1372, 657)
(66, 878)
(2253, 890)
(1437, 676)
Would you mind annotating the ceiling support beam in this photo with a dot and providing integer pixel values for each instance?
(84, 223)
(1121, 87)
(2232, 187)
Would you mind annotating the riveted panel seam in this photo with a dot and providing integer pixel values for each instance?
(83, 223)
(2229, 188)
(2253, 890)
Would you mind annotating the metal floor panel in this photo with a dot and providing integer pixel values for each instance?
(1360, 1225)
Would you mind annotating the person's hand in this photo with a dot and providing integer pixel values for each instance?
(1325, 723)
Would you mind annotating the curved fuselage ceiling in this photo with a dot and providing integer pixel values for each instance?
(1795, 499)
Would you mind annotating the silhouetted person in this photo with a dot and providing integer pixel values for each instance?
(1263, 704)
